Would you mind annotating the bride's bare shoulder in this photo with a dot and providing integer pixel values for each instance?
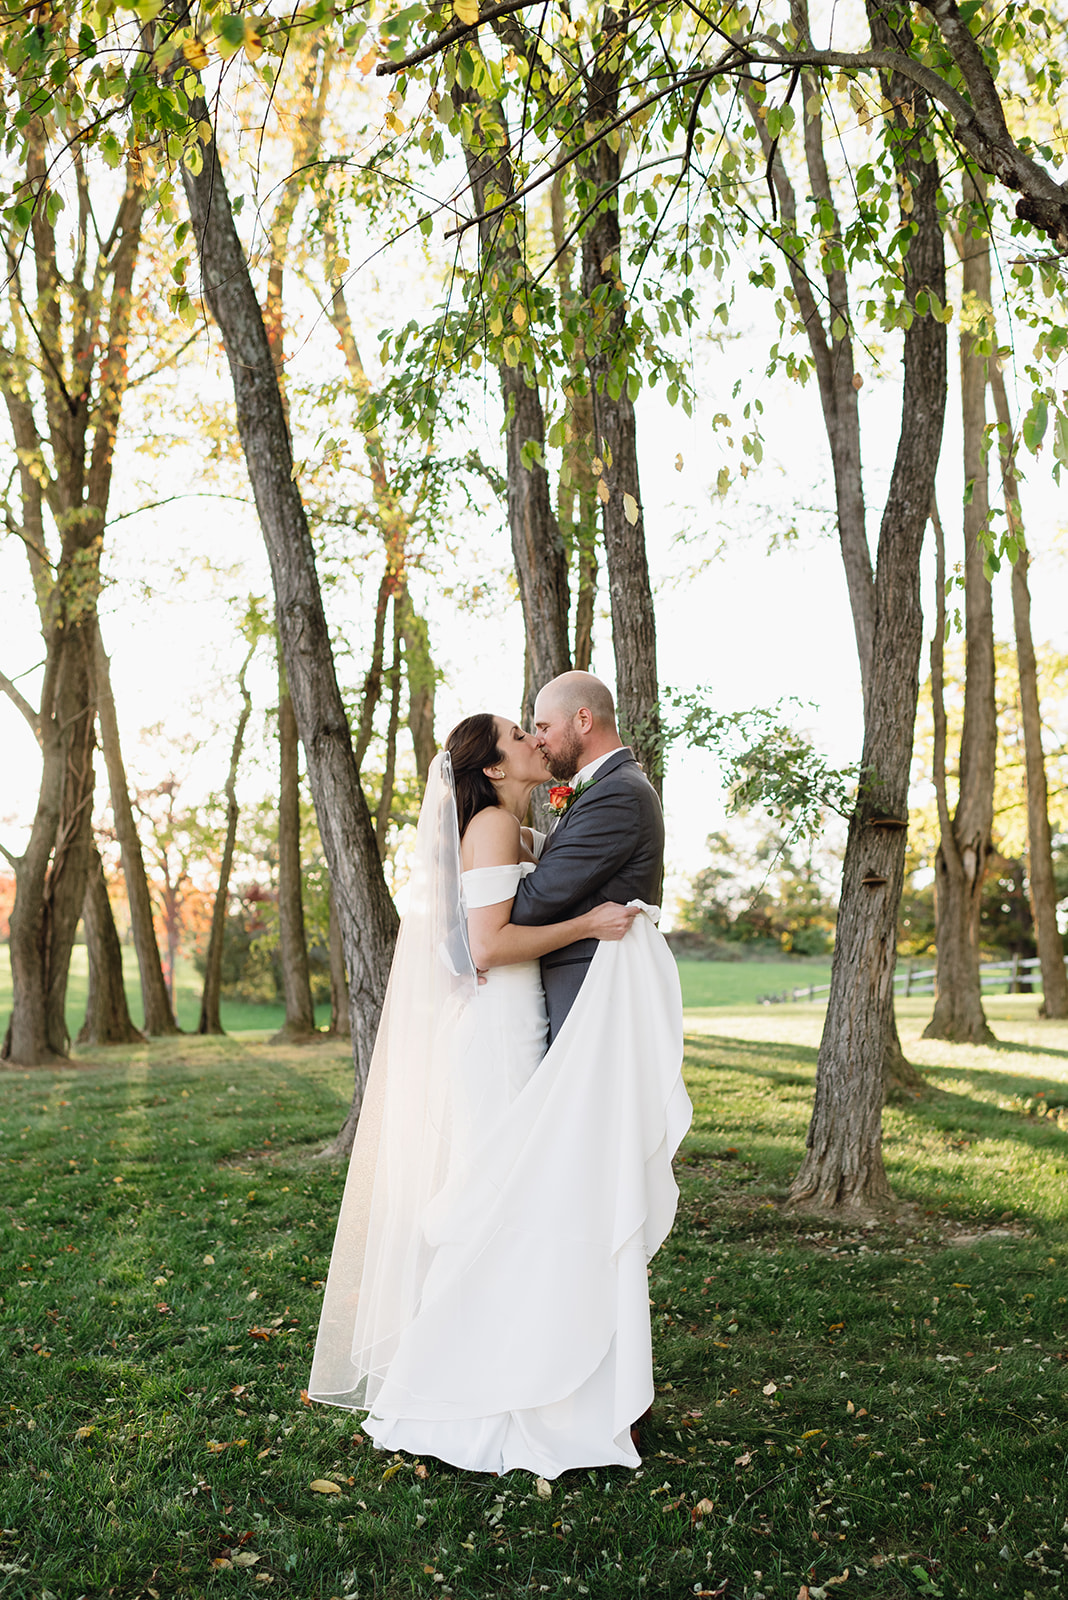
(491, 839)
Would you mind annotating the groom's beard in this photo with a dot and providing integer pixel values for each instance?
(568, 759)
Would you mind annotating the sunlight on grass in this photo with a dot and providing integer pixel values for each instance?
(887, 1399)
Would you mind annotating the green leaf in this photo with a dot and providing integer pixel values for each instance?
(1034, 425)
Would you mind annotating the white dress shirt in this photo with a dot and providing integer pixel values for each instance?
(592, 767)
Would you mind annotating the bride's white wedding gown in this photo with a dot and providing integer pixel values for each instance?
(526, 1341)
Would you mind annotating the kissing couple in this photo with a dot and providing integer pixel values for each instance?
(487, 1301)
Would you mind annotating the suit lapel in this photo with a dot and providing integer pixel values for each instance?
(616, 759)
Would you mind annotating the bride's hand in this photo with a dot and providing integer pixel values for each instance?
(611, 921)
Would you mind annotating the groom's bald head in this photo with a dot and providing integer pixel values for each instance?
(573, 692)
(574, 722)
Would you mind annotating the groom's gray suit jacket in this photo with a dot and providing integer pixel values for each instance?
(608, 845)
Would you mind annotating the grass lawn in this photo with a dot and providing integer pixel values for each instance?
(886, 1402)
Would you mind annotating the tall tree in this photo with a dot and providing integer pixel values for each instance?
(843, 1165)
(537, 548)
(965, 843)
(210, 1020)
(366, 913)
(1041, 882)
(63, 375)
(159, 1012)
(614, 423)
(827, 328)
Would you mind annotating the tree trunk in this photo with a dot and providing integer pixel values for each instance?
(389, 772)
(159, 1015)
(831, 345)
(210, 1021)
(1041, 884)
(537, 548)
(843, 1163)
(340, 1026)
(69, 872)
(367, 915)
(107, 1014)
(614, 425)
(296, 980)
(419, 669)
(964, 847)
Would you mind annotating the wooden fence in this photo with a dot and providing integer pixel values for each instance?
(1016, 974)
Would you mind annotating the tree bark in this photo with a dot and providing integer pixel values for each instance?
(210, 1021)
(293, 947)
(965, 847)
(366, 913)
(340, 1025)
(159, 1014)
(1042, 886)
(419, 669)
(614, 424)
(107, 1014)
(843, 1164)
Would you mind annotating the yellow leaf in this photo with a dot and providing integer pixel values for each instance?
(678, 462)
(217, 1446)
(221, 1564)
(812, 1433)
(630, 511)
(544, 1488)
(597, 466)
(324, 1486)
(850, 1407)
(160, 1282)
(465, 11)
(209, 1261)
(196, 54)
(519, 315)
(83, 1433)
(247, 1558)
(367, 62)
(253, 39)
(603, 491)
(392, 1471)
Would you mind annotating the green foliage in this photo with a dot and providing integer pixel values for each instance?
(763, 893)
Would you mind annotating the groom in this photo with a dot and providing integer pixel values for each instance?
(609, 842)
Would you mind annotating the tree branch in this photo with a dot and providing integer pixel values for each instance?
(19, 700)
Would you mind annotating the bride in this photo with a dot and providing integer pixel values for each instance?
(487, 1301)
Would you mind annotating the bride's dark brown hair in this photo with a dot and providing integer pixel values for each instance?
(473, 744)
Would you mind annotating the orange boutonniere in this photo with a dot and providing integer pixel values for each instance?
(562, 796)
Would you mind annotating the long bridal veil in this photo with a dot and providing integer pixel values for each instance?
(401, 1155)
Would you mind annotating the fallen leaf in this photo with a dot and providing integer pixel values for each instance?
(744, 1460)
(324, 1486)
(850, 1407)
(238, 1389)
(770, 1388)
(217, 1446)
(420, 1470)
(304, 1400)
(544, 1488)
(391, 1472)
(222, 1564)
(83, 1433)
(247, 1558)
(812, 1433)
(703, 1508)
(209, 1261)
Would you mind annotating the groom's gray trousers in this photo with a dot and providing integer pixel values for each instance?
(609, 846)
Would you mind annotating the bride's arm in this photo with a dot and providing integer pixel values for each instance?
(492, 840)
